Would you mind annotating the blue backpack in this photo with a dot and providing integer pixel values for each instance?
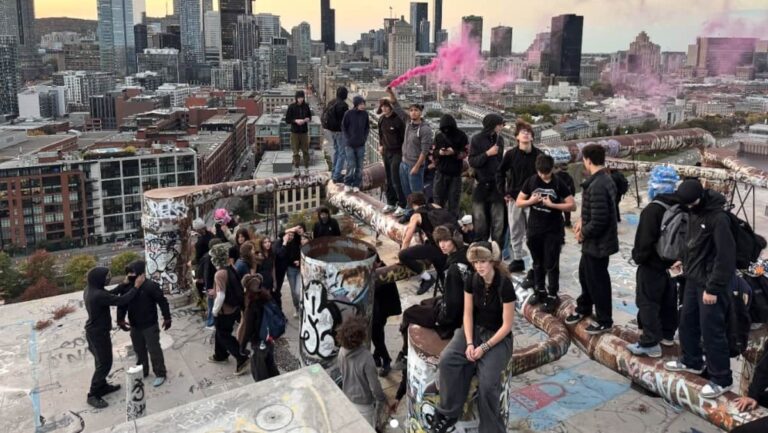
(272, 323)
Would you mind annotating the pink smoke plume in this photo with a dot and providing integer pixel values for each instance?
(458, 63)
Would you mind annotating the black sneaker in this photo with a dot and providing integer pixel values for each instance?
(425, 286)
(384, 370)
(597, 329)
(568, 224)
(97, 402)
(242, 367)
(536, 299)
(400, 362)
(442, 424)
(550, 304)
(574, 318)
(110, 388)
(528, 281)
(516, 266)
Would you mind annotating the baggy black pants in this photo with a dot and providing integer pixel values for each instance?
(595, 289)
(413, 258)
(545, 252)
(146, 344)
(100, 346)
(378, 322)
(394, 192)
(447, 192)
(656, 299)
(225, 343)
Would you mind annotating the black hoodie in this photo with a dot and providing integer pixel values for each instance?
(330, 228)
(339, 108)
(648, 233)
(142, 311)
(296, 111)
(486, 167)
(450, 136)
(711, 253)
(98, 300)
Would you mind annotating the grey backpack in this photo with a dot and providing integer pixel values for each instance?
(674, 232)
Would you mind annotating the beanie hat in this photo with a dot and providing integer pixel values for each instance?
(662, 181)
(689, 191)
(357, 100)
(221, 216)
(252, 282)
(198, 224)
(299, 94)
(219, 254)
(444, 233)
(484, 251)
(416, 106)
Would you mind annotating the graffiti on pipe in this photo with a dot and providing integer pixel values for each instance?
(163, 252)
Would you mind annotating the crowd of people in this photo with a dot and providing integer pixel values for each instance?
(520, 197)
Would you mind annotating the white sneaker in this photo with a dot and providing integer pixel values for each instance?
(347, 188)
(388, 209)
(667, 343)
(679, 366)
(399, 212)
(355, 189)
(713, 390)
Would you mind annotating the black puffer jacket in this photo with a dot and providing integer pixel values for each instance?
(450, 136)
(649, 232)
(484, 166)
(711, 252)
(598, 216)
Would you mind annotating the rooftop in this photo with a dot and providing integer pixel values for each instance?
(13, 144)
(279, 163)
(206, 143)
(228, 118)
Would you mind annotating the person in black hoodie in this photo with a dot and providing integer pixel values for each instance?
(355, 128)
(288, 261)
(142, 318)
(386, 302)
(518, 165)
(298, 116)
(450, 151)
(709, 265)
(333, 120)
(391, 137)
(656, 294)
(486, 151)
(97, 328)
(325, 225)
(597, 233)
(757, 394)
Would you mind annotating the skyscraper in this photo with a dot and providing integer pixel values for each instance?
(647, 55)
(565, 47)
(207, 6)
(419, 13)
(302, 48)
(721, 56)
(402, 48)
(269, 27)
(437, 21)
(246, 36)
(279, 60)
(328, 25)
(501, 41)
(230, 10)
(17, 18)
(212, 37)
(116, 41)
(422, 43)
(9, 75)
(475, 26)
(140, 37)
(190, 21)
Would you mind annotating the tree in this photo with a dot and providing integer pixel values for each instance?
(526, 118)
(11, 284)
(120, 261)
(41, 264)
(600, 88)
(649, 125)
(77, 269)
(43, 288)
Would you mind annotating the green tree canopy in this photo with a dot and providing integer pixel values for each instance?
(120, 261)
(77, 269)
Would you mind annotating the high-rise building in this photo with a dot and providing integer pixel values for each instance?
(672, 61)
(269, 27)
(116, 43)
(302, 49)
(258, 71)
(539, 45)
(441, 38)
(246, 36)
(501, 41)
(212, 37)
(42, 102)
(207, 5)
(80, 85)
(437, 21)
(721, 56)
(82, 56)
(9, 75)
(279, 60)
(230, 10)
(647, 55)
(474, 25)
(164, 61)
(328, 25)
(228, 76)
(17, 18)
(422, 44)
(140, 37)
(565, 47)
(419, 13)
(190, 21)
(402, 48)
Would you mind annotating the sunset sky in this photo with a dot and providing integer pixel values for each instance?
(609, 25)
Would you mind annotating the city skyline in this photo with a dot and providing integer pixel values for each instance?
(608, 26)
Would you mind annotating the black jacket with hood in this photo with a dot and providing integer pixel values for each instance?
(392, 130)
(648, 234)
(450, 314)
(330, 228)
(355, 126)
(598, 216)
(450, 136)
(98, 300)
(142, 311)
(711, 254)
(296, 111)
(486, 167)
(340, 107)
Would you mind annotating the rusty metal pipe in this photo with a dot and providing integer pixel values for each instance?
(734, 169)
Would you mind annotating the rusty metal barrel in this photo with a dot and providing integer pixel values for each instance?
(337, 284)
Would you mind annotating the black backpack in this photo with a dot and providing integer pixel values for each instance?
(433, 216)
(622, 185)
(738, 319)
(234, 294)
(758, 309)
(328, 119)
(748, 243)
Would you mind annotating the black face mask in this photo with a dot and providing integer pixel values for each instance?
(132, 278)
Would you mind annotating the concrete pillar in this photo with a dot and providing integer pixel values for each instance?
(337, 279)
(167, 224)
(135, 401)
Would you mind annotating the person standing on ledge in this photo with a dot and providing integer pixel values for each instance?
(298, 116)
(97, 328)
(354, 129)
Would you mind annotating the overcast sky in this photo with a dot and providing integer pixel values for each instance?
(609, 25)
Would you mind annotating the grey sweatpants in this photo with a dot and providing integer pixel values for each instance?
(517, 226)
(148, 340)
(456, 372)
